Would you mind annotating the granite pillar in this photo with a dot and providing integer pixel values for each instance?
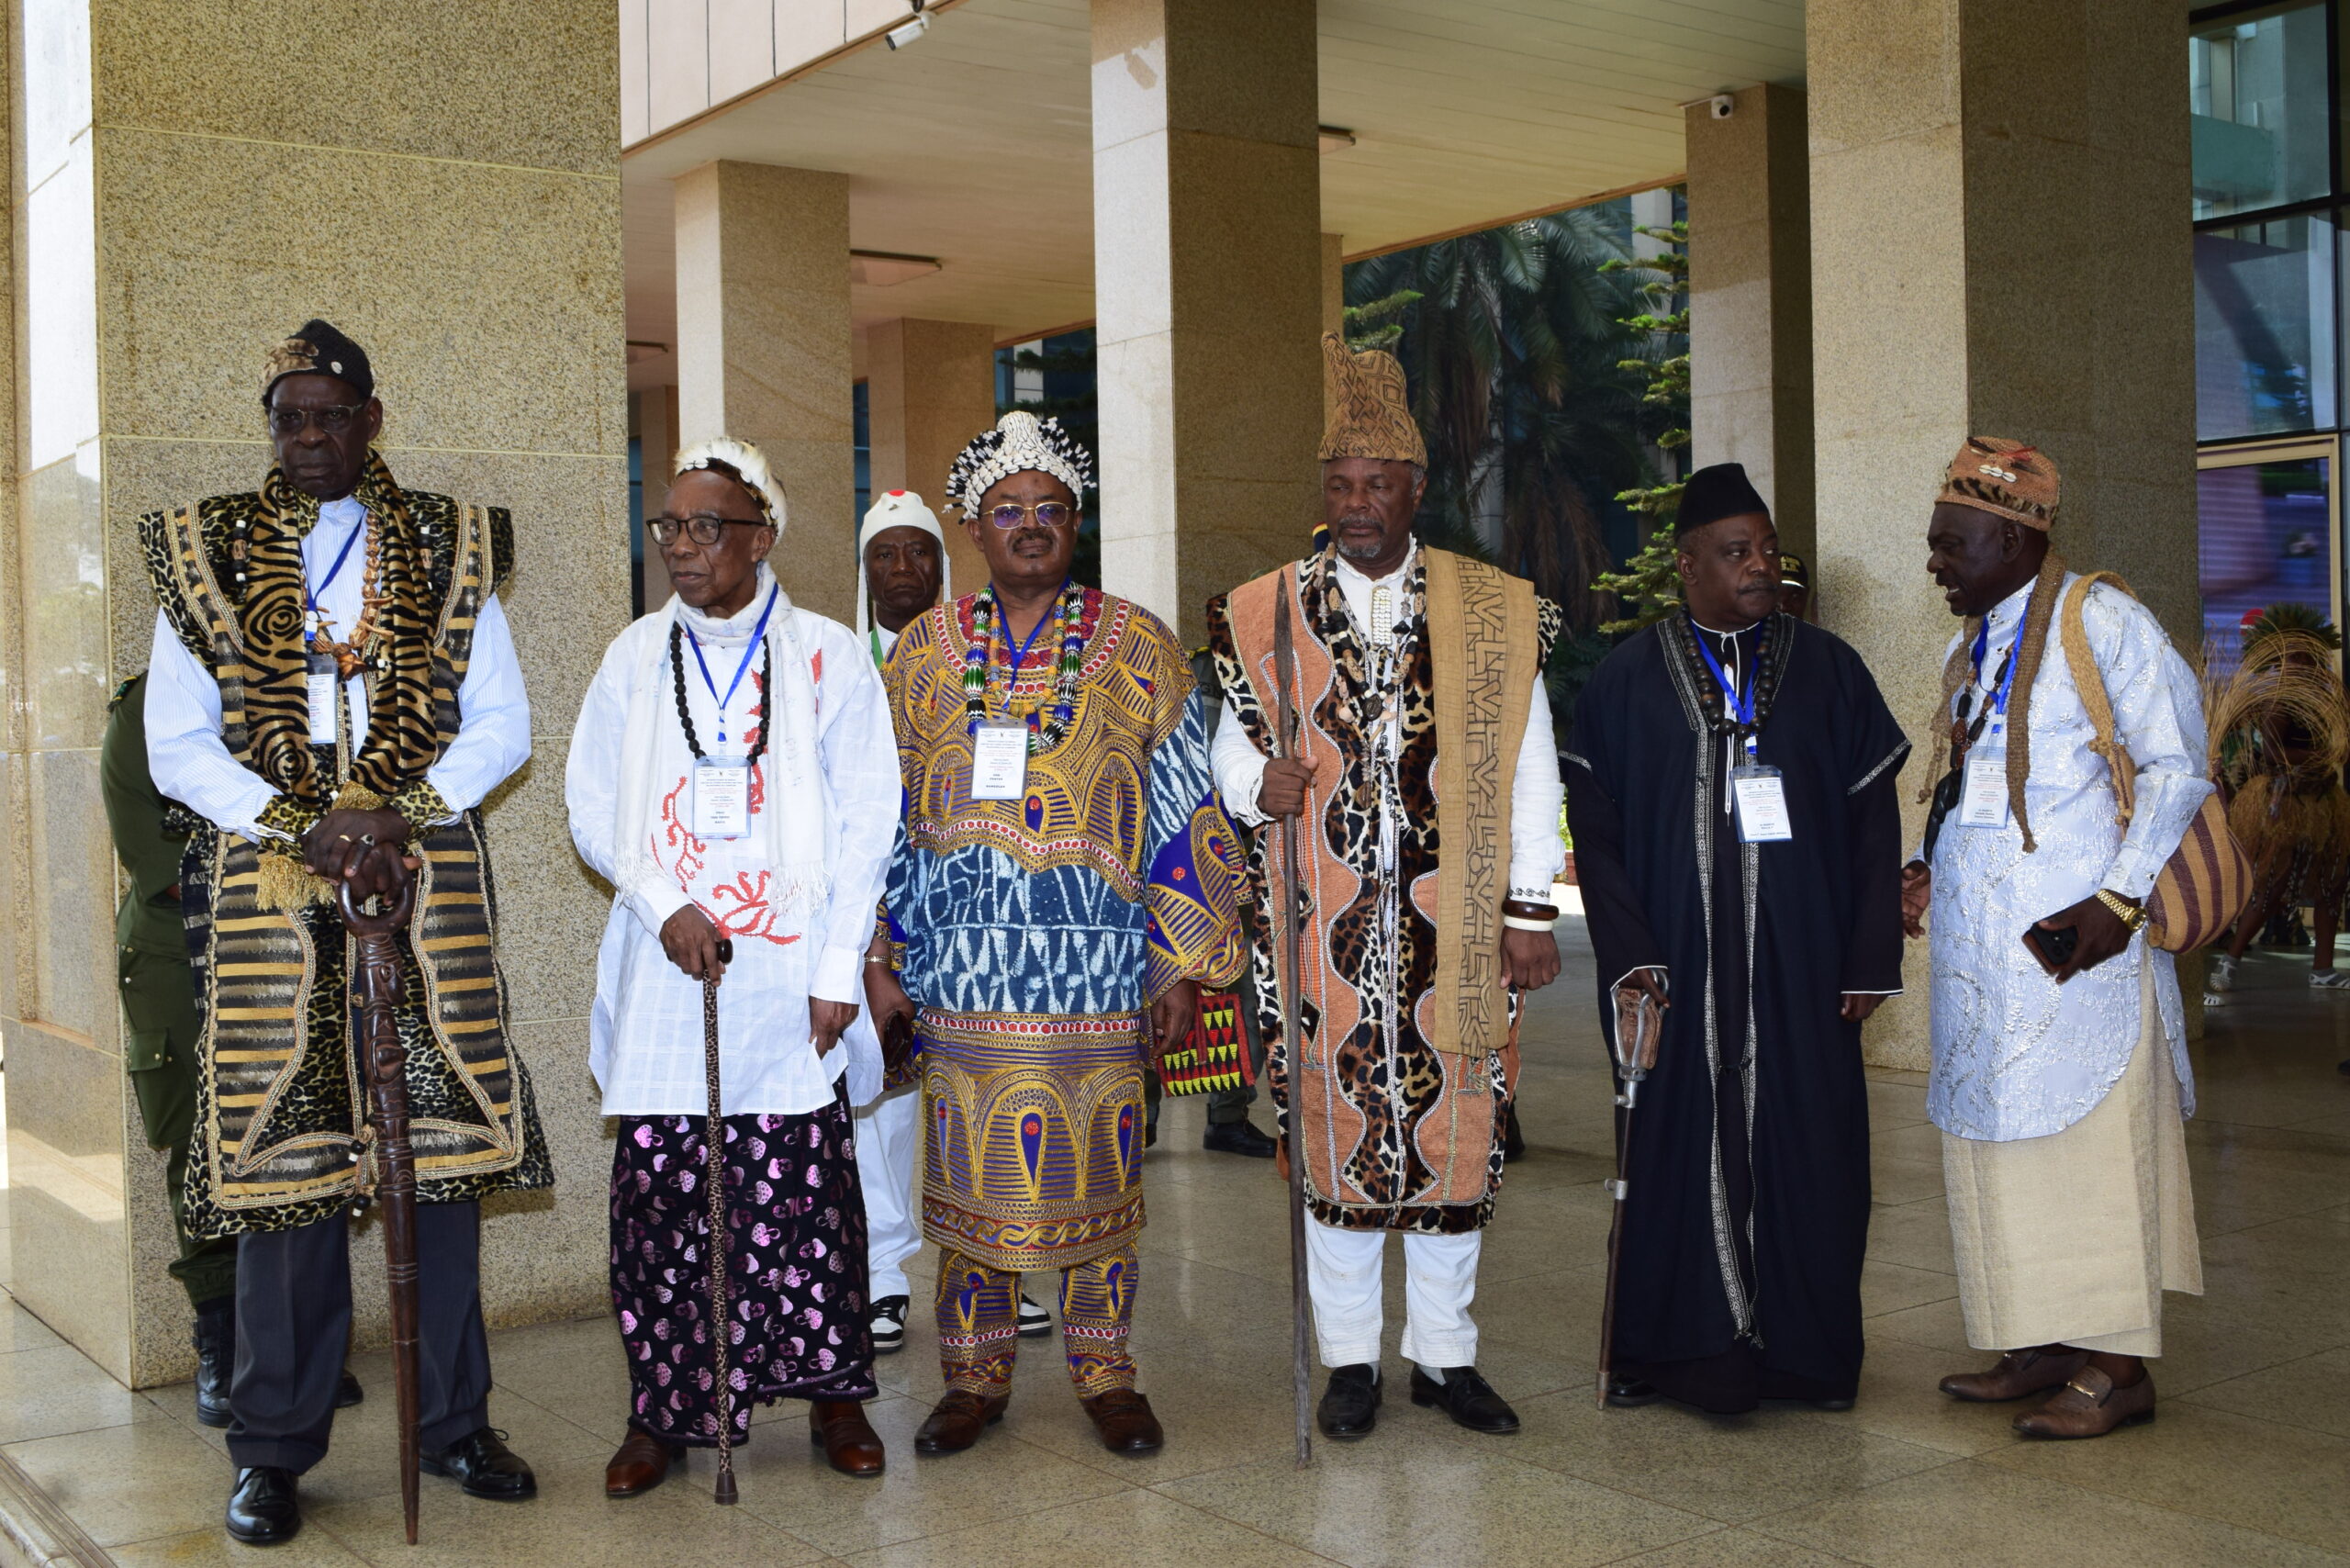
(764, 352)
(1208, 289)
(1999, 246)
(1749, 298)
(930, 387)
(180, 211)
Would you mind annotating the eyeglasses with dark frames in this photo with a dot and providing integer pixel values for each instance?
(333, 420)
(1051, 514)
(701, 528)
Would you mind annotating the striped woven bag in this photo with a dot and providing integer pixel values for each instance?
(2208, 880)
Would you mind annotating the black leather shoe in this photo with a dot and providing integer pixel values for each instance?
(1237, 1138)
(1830, 1404)
(263, 1509)
(1630, 1393)
(485, 1467)
(1468, 1399)
(1350, 1406)
(216, 1358)
(348, 1393)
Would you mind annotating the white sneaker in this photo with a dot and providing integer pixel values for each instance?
(888, 1324)
(2213, 999)
(2330, 979)
(2224, 974)
(1034, 1321)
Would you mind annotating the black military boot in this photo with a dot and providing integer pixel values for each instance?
(216, 1358)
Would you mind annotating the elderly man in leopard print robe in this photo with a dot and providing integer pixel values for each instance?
(332, 692)
(1423, 891)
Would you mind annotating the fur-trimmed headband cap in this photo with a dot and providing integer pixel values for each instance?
(1020, 444)
(2006, 478)
(741, 460)
(1370, 413)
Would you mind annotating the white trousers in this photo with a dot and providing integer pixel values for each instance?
(887, 1133)
(1343, 1270)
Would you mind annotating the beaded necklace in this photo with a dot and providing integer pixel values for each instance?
(979, 663)
(1768, 655)
(685, 714)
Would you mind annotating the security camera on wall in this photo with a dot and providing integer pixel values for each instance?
(913, 27)
(1722, 105)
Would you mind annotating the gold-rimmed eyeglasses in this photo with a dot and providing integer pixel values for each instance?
(1051, 514)
(701, 528)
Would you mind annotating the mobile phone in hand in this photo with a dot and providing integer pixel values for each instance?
(2055, 947)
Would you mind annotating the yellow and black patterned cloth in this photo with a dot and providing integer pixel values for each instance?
(280, 1118)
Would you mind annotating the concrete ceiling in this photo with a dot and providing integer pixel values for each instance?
(973, 145)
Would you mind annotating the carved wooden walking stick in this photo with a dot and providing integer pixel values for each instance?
(713, 1143)
(1639, 1028)
(1292, 991)
(375, 993)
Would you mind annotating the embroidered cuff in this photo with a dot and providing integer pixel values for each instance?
(421, 806)
(288, 818)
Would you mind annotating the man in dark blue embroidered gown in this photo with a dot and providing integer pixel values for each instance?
(1738, 843)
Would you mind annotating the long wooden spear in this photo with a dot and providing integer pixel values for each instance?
(1292, 984)
(375, 991)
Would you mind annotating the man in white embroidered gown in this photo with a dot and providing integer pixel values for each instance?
(733, 776)
(2060, 1071)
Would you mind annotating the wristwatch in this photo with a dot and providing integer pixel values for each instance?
(2130, 915)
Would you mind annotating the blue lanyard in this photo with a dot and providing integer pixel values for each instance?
(1022, 656)
(758, 635)
(2008, 666)
(309, 631)
(1742, 703)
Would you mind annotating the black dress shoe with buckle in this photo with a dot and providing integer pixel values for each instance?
(348, 1393)
(263, 1507)
(1237, 1138)
(1350, 1406)
(216, 1358)
(1468, 1399)
(1630, 1393)
(482, 1464)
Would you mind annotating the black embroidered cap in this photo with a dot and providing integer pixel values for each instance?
(1714, 493)
(320, 349)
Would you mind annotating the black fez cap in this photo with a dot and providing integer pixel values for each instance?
(319, 348)
(1717, 492)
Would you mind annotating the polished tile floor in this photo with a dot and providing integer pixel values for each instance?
(2249, 1463)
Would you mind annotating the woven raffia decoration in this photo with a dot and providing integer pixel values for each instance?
(2004, 477)
(2287, 683)
(1370, 412)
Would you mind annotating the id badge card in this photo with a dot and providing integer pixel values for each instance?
(1000, 760)
(1761, 804)
(322, 675)
(1983, 802)
(722, 798)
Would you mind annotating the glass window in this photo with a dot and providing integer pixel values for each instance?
(2262, 111)
(2268, 538)
(2265, 339)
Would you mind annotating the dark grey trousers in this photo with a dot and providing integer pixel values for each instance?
(293, 1327)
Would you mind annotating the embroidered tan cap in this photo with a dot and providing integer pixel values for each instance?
(1370, 412)
(2004, 477)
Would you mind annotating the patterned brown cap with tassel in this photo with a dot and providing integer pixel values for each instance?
(2006, 478)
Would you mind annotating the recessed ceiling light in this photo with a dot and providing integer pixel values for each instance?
(885, 269)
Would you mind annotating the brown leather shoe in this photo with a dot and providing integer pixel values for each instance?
(1123, 1417)
(2089, 1407)
(956, 1421)
(639, 1464)
(850, 1444)
(2018, 1374)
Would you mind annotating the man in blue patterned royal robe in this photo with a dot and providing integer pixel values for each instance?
(1048, 933)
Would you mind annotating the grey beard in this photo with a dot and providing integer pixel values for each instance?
(1359, 551)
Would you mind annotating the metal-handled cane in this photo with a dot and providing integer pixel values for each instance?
(1633, 1043)
(1290, 892)
(375, 995)
(714, 1145)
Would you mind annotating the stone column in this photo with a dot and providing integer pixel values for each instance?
(1999, 245)
(180, 212)
(1749, 298)
(1334, 283)
(764, 352)
(1208, 293)
(930, 387)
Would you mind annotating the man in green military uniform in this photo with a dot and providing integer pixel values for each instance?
(160, 1033)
